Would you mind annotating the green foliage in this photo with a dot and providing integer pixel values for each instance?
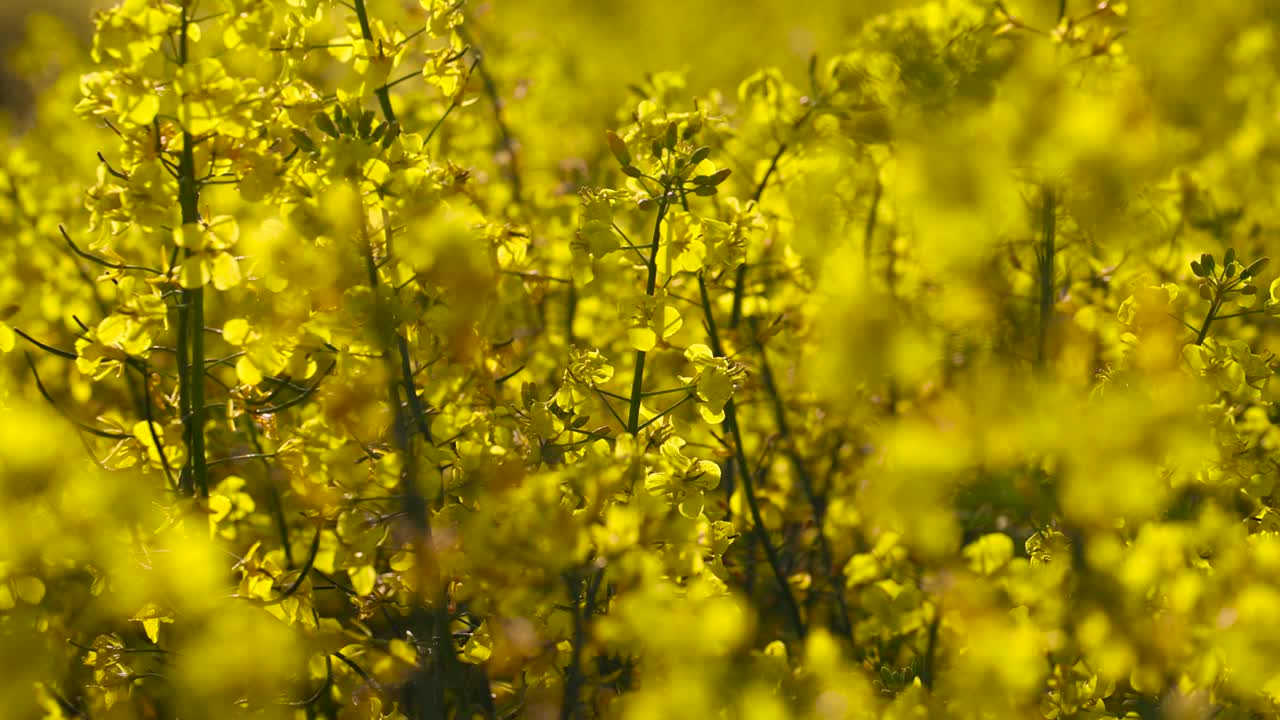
(369, 360)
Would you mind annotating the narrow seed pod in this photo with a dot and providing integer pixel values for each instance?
(618, 147)
(1256, 267)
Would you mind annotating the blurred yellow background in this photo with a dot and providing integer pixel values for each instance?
(15, 92)
(602, 46)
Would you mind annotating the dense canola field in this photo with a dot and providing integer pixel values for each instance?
(400, 359)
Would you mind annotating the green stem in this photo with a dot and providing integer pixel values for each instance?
(740, 277)
(1240, 314)
(195, 303)
(191, 315)
(929, 671)
(666, 412)
(637, 385)
(426, 690)
(382, 93)
(834, 573)
(868, 233)
(713, 335)
(762, 533)
(1208, 320)
(506, 139)
(277, 505)
(731, 427)
(584, 604)
(637, 379)
(184, 392)
(1047, 250)
(402, 345)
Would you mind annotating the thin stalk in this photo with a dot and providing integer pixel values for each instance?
(184, 395)
(277, 506)
(929, 669)
(457, 100)
(740, 277)
(426, 691)
(191, 313)
(507, 140)
(584, 603)
(188, 198)
(382, 93)
(771, 554)
(731, 427)
(834, 574)
(868, 233)
(151, 426)
(571, 312)
(637, 379)
(718, 350)
(1208, 319)
(1255, 311)
(1047, 290)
